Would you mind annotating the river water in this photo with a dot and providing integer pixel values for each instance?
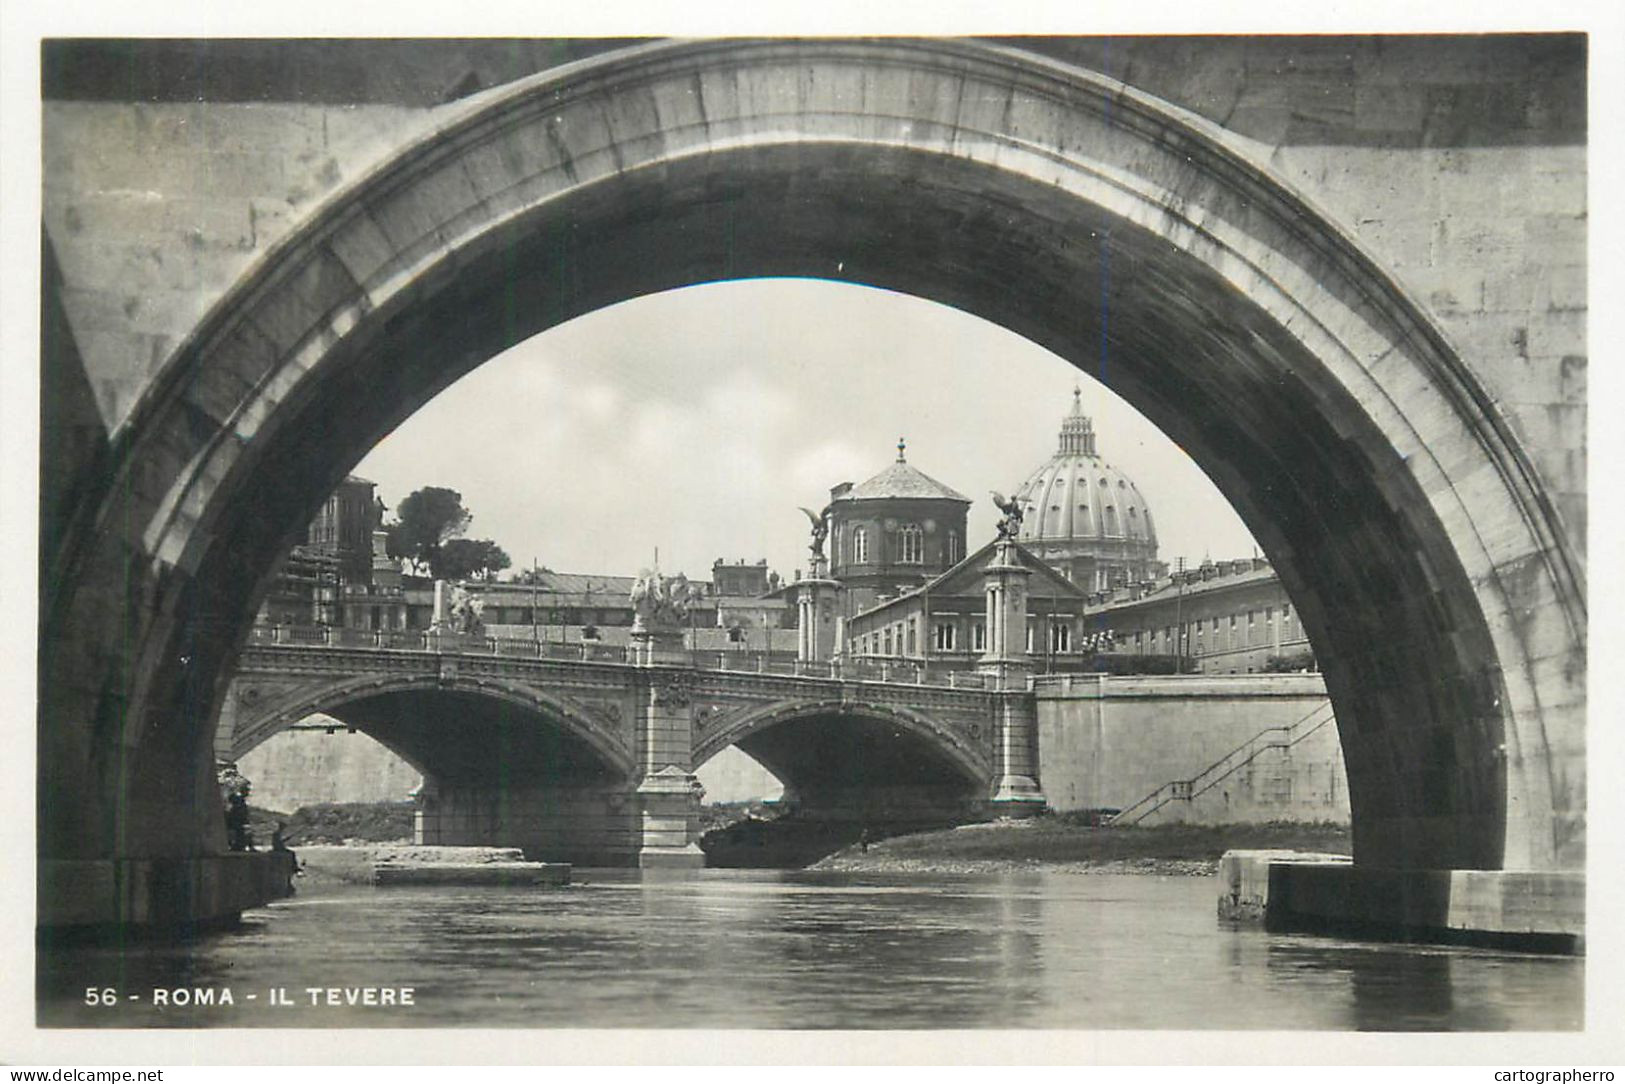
(768, 949)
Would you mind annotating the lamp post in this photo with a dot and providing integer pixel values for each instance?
(1179, 616)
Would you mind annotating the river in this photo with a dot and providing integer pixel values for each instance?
(761, 949)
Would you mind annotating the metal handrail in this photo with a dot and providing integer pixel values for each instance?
(1188, 789)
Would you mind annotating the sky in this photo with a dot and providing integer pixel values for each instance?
(697, 421)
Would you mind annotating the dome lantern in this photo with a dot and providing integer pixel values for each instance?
(1077, 429)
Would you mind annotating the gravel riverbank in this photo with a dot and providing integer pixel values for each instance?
(1063, 845)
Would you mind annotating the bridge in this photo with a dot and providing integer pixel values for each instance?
(586, 754)
(1347, 276)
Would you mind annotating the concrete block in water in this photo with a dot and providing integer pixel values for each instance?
(1244, 880)
(1288, 891)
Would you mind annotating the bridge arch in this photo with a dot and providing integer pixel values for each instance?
(331, 699)
(958, 753)
(1143, 245)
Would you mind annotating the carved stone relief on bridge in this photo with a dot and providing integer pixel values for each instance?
(612, 718)
(712, 714)
(674, 689)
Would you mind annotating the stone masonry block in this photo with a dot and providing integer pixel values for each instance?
(361, 245)
(1556, 192)
(1558, 332)
(246, 127)
(1554, 239)
(302, 300)
(1384, 108)
(1562, 287)
(411, 216)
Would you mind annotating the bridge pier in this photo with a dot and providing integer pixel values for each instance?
(582, 825)
(1016, 791)
(1008, 664)
(667, 793)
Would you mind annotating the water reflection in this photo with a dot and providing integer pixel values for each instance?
(808, 950)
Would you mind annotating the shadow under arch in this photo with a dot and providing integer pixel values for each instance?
(1126, 236)
(553, 710)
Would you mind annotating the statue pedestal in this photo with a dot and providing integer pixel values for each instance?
(817, 637)
(657, 645)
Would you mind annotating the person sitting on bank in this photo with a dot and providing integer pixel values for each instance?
(280, 844)
(238, 836)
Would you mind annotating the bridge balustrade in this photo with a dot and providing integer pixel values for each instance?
(603, 653)
(402, 639)
(882, 669)
(353, 637)
(561, 651)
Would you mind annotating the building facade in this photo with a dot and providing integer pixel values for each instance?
(338, 574)
(1226, 617)
(943, 623)
(893, 533)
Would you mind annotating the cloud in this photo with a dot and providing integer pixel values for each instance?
(698, 420)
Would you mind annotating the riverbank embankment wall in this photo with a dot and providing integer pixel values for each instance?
(1212, 748)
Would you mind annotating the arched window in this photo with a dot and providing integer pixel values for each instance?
(1060, 638)
(860, 545)
(955, 548)
(910, 545)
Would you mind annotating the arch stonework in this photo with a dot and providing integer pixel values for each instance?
(1127, 236)
(328, 697)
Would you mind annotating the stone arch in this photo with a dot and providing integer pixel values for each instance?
(328, 699)
(954, 749)
(1395, 501)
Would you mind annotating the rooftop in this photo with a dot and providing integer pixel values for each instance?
(901, 479)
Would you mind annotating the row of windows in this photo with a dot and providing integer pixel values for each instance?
(1204, 635)
(899, 638)
(910, 545)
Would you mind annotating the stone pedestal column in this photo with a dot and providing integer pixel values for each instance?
(1005, 583)
(1016, 792)
(815, 618)
(1015, 787)
(667, 792)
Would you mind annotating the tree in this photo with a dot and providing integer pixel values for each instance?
(461, 558)
(531, 575)
(425, 521)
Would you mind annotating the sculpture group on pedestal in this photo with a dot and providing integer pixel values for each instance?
(662, 601)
